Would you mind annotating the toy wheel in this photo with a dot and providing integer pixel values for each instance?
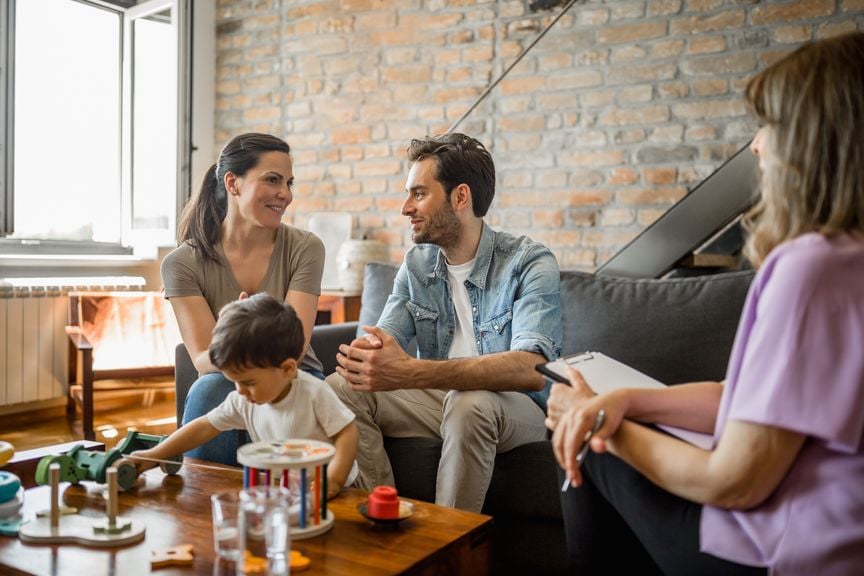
(172, 469)
(68, 470)
(127, 474)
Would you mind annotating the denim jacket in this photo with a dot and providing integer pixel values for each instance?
(514, 289)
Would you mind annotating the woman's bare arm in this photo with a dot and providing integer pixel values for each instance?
(306, 307)
(196, 328)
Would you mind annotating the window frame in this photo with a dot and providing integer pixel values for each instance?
(137, 240)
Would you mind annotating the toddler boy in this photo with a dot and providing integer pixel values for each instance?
(257, 343)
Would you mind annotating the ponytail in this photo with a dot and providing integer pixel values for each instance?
(201, 222)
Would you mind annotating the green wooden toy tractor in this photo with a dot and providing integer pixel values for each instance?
(79, 464)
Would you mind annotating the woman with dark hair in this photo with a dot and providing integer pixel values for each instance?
(783, 487)
(232, 243)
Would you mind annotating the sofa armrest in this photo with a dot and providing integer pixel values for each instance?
(326, 339)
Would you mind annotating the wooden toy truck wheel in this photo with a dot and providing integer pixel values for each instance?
(127, 474)
(172, 469)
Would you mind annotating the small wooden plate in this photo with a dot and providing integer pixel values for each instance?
(406, 510)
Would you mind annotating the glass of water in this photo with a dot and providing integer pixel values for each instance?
(226, 536)
(264, 530)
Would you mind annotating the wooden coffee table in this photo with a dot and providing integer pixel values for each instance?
(176, 510)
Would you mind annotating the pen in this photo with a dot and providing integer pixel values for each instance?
(583, 451)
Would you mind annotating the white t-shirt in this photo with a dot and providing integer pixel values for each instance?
(463, 345)
(310, 410)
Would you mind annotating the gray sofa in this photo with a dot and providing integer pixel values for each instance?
(676, 330)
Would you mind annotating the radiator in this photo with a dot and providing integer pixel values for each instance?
(33, 347)
(33, 344)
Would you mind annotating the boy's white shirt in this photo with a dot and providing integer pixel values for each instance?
(310, 410)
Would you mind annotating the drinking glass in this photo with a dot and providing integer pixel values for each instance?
(264, 530)
(226, 506)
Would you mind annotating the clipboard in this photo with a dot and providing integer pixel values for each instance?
(604, 374)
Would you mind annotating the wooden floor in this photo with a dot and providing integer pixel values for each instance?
(115, 414)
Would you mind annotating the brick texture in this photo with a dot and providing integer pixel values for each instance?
(619, 110)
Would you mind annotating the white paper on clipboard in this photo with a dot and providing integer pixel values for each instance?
(604, 374)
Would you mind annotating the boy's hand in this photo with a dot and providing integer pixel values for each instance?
(142, 465)
(332, 489)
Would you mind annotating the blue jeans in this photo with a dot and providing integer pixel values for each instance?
(206, 394)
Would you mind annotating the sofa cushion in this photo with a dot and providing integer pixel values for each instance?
(675, 330)
(378, 280)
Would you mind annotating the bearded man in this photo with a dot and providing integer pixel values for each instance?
(484, 307)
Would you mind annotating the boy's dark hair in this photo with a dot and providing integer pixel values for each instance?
(461, 160)
(258, 332)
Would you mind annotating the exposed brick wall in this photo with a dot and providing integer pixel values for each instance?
(610, 119)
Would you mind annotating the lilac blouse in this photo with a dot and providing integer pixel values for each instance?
(798, 364)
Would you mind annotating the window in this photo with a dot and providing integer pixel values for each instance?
(94, 123)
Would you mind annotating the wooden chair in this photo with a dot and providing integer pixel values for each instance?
(83, 310)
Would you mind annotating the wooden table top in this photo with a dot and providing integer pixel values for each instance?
(176, 510)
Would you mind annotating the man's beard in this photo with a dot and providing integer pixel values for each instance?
(442, 228)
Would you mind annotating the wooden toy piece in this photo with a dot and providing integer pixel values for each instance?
(11, 500)
(182, 555)
(79, 464)
(303, 498)
(64, 511)
(140, 441)
(127, 473)
(277, 461)
(54, 475)
(6, 452)
(111, 525)
(298, 561)
(316, 497)
(383, 506)
(252, 564)
(383, 503)
(69, 470)
(78, 529)
(9, 486)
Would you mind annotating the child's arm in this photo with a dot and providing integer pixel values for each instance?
(185, 438)
(339, 468)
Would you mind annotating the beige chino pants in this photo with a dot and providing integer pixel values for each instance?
(474, 426)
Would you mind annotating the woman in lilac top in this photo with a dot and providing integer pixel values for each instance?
(783, 488)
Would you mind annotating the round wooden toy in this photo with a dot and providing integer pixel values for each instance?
(9, 485)
(11, 500)
(301, 466)
(6, 452)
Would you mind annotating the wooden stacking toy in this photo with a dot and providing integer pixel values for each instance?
(54, 528)
(11, 494)
(295, 460)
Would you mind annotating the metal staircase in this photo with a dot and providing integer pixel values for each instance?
(700, 233)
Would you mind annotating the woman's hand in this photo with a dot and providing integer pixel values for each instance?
(578, 420)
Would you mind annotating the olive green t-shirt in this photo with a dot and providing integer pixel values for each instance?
(297, 263)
